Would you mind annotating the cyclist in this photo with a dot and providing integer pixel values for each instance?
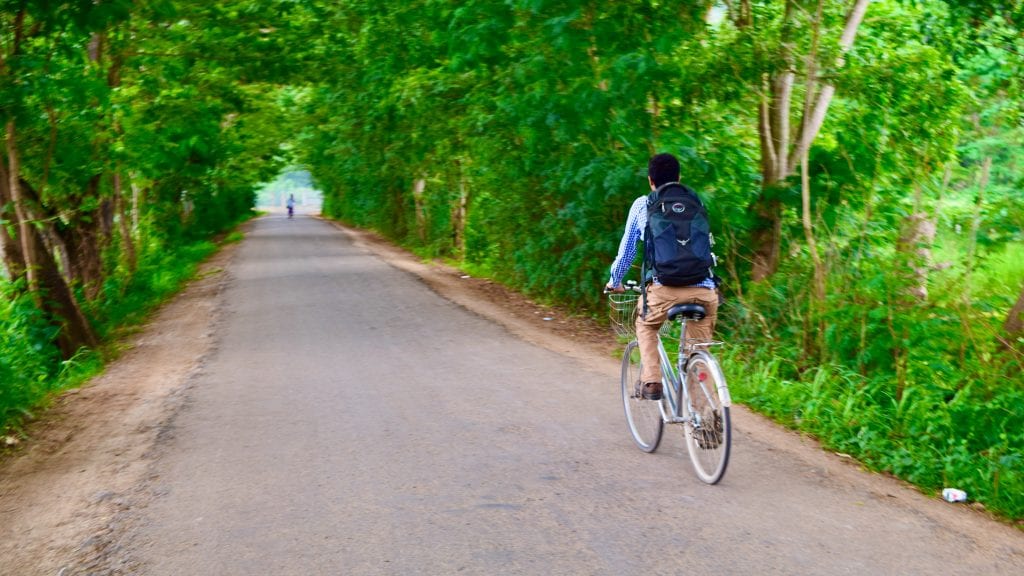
(662, 169)
(291, 205)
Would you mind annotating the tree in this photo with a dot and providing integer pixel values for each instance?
(31, 27)
(777, 108)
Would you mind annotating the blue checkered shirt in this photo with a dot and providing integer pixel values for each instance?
(635, 224)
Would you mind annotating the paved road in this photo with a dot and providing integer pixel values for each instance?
(354, 422)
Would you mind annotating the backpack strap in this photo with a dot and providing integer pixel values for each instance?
(652, 198)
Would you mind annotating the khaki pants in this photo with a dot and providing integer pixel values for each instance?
(659, 299)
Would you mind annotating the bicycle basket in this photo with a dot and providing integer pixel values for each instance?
(622, 312)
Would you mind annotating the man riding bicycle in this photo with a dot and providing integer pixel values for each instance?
(661, 293)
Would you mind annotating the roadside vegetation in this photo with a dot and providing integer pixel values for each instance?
(861, 160)
(874, 303)
(125, 154)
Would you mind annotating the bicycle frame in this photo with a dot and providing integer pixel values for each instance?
(675, 394)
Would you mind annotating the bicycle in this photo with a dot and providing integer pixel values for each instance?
(700, 407)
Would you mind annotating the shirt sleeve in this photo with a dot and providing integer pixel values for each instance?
(635, 223)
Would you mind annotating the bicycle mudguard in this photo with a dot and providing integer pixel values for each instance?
(723, 388)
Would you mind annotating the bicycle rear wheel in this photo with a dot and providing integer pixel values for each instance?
(709, 431)
(642, 416)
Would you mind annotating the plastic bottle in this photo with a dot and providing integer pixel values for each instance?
(954, 495)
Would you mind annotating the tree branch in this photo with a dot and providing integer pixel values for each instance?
(812, 126)
(764, 131)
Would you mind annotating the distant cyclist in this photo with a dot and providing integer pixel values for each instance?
(291, 205)
(690, 280)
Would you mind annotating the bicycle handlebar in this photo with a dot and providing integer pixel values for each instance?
(630, 286)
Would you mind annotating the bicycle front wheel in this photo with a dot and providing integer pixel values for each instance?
(642, 416)
(708, 431)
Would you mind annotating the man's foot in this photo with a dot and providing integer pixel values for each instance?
(652, 391)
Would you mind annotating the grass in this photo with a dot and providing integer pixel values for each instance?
(128, 300)
(971, 441)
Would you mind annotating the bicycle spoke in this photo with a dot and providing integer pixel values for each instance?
(708, 434)
(642, 416)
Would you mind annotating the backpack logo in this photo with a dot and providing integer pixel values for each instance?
(678, 208)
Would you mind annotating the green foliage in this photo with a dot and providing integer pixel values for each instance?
(970, 439)
(27, 360)
(161, 273)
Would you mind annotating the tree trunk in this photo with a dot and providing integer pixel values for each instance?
(14, 257)
(20, 210)
(915, 247)
(810, 126)
(123, 225)
(972, 239)
(80, 242)
(52, 293)
(85, 237)
(814, 329)
(421, 217)
(459, 211)
(136, 205)
(46, 223)
(1015, 319)
(740, 13)
(118, 209)
(766, 237)
(58, 301)
(84, 251)
(773, 133)
(812, 243)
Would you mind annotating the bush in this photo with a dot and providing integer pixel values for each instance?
(28, 362)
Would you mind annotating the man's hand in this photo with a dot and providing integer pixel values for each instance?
(616, 289)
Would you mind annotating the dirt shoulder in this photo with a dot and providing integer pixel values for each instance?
(65, 493)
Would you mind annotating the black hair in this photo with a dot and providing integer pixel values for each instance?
(663, 168)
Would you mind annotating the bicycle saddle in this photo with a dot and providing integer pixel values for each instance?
(688, 311)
